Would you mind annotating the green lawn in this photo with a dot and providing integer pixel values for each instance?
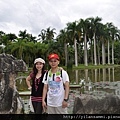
(81, 66)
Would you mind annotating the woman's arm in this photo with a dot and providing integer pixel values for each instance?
(45, 88)
(28, 82)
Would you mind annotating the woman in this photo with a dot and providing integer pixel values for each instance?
(37, 86)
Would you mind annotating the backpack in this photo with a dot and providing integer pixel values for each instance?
(60, 76)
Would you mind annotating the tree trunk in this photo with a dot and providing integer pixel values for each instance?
(66, 54)
(103, 53)
(91, 50)
(108, 52)
(98, 49)
(95, 57)
(112, 51)
(76, 58)
(85, 51)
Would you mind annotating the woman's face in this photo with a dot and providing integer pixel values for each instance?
(39, 65)
(54, 63)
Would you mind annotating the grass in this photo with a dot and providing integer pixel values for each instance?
(82, 66)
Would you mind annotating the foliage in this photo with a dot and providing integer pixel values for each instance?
(88, 34)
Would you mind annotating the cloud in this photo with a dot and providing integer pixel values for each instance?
(35, 15)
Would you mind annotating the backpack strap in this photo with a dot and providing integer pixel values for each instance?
(61, 73)
(63, 83)
(61, 77)
(46, 75)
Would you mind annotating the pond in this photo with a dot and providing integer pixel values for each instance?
(97, 82)
(104, 80)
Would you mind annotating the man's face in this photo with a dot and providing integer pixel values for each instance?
(53, 62)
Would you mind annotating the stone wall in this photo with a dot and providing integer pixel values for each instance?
(88, 104)
(10, 101)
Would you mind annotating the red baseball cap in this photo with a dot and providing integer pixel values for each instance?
(55, 56)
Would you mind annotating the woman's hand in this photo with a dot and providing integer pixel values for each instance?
(44, 105)
(29, 88)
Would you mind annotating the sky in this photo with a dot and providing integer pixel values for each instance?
(35, 15)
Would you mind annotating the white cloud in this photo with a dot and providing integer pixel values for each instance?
(34, 15)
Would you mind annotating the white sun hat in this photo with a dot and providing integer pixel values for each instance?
(39, 60)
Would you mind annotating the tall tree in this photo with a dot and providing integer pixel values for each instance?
(114, 34)
(63, 38)
(72, 30)
(94, 25)
(84, 28)
(108, 28)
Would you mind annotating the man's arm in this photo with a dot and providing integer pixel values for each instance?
(66, 95)
(66, 85)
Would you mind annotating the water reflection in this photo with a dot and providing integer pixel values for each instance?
(98, 81)
(104, 74)
(76, 76)
(86, 75)
(113, 74)
(109, 74)
(95, 75)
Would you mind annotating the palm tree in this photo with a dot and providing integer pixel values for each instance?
(108, 28)
(114, 34)
(11, 36)
(17, 48)
(94, 25)
(29, 53)
(84, 26)
(63, 38)
(42, 35)
(47, 35)
(31, 38)
(73, 32)
(23, 34)
(101, 38)
(50, 33)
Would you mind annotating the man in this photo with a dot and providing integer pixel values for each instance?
(56, 87)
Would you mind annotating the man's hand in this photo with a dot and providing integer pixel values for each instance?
(64, 104)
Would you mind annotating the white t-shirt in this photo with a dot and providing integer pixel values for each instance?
(55, 94)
